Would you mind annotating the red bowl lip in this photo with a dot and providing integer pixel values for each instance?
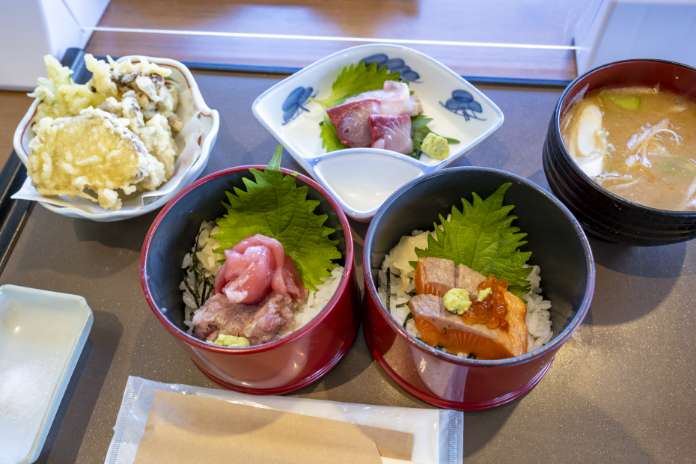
(255, 349)
(552, 345)
(556, 118)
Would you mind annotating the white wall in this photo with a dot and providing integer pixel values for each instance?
(29, 29)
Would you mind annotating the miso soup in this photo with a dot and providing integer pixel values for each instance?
(637, 142)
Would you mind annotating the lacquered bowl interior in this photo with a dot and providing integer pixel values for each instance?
(601, 212)
(174, 231)
(556, 240)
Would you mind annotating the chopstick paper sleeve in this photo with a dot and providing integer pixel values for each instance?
(196, 429)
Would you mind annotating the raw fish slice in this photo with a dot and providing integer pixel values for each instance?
(219, 315)
(437, 327)
(434, 276)
(261, 240)
(286, 279)
(291, 282)
(275, 313)
(468, 279)
(255, 267)
(351, 121)
(395, 98)
(276, 249)
(391, 132)
(258, 323)
(248, 275)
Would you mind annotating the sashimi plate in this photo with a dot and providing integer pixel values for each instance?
(291, 111)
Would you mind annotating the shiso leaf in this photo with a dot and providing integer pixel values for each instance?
(273, 204)
(357, 78)
(481, 236)
(329, 138)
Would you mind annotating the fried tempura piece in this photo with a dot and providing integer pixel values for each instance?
(93, 156)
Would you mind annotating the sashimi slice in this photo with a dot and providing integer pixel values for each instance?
(276, 248)
(351, 121)
(437, 327)
(218, 314)
(395, 98)
(256, 266)
(434, 276)
(246, 276)
(292, 281)
(274, 314)
(391, 132)
(468, 279)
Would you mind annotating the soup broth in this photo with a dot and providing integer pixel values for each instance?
(637, 142)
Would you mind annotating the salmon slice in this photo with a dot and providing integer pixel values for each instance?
(437, 327)
(434, 276)
(468, 279)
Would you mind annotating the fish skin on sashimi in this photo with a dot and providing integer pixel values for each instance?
(391, 132)
(395, 98)
(438, 327)
(377, 118)
(351, 121)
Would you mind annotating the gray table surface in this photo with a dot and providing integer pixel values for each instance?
(622, 390)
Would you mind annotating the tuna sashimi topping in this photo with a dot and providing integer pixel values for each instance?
(257, 290)
(255, 267)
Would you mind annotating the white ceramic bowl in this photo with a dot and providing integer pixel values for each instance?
(380, 172)
(186, 171)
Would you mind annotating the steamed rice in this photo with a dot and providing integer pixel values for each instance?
(201, 264)
(396, 287)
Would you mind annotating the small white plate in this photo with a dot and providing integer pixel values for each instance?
(42, 334)
(457, 108)
(197, 147)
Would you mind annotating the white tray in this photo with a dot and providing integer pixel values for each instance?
(42, 334)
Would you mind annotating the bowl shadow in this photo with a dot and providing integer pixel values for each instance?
(481, 426)
(107, 234)
(356, 360)
(632, 281)
(73, 416)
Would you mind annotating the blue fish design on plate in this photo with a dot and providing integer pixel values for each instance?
(295, 101)
(463, 103)
(394, 65)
